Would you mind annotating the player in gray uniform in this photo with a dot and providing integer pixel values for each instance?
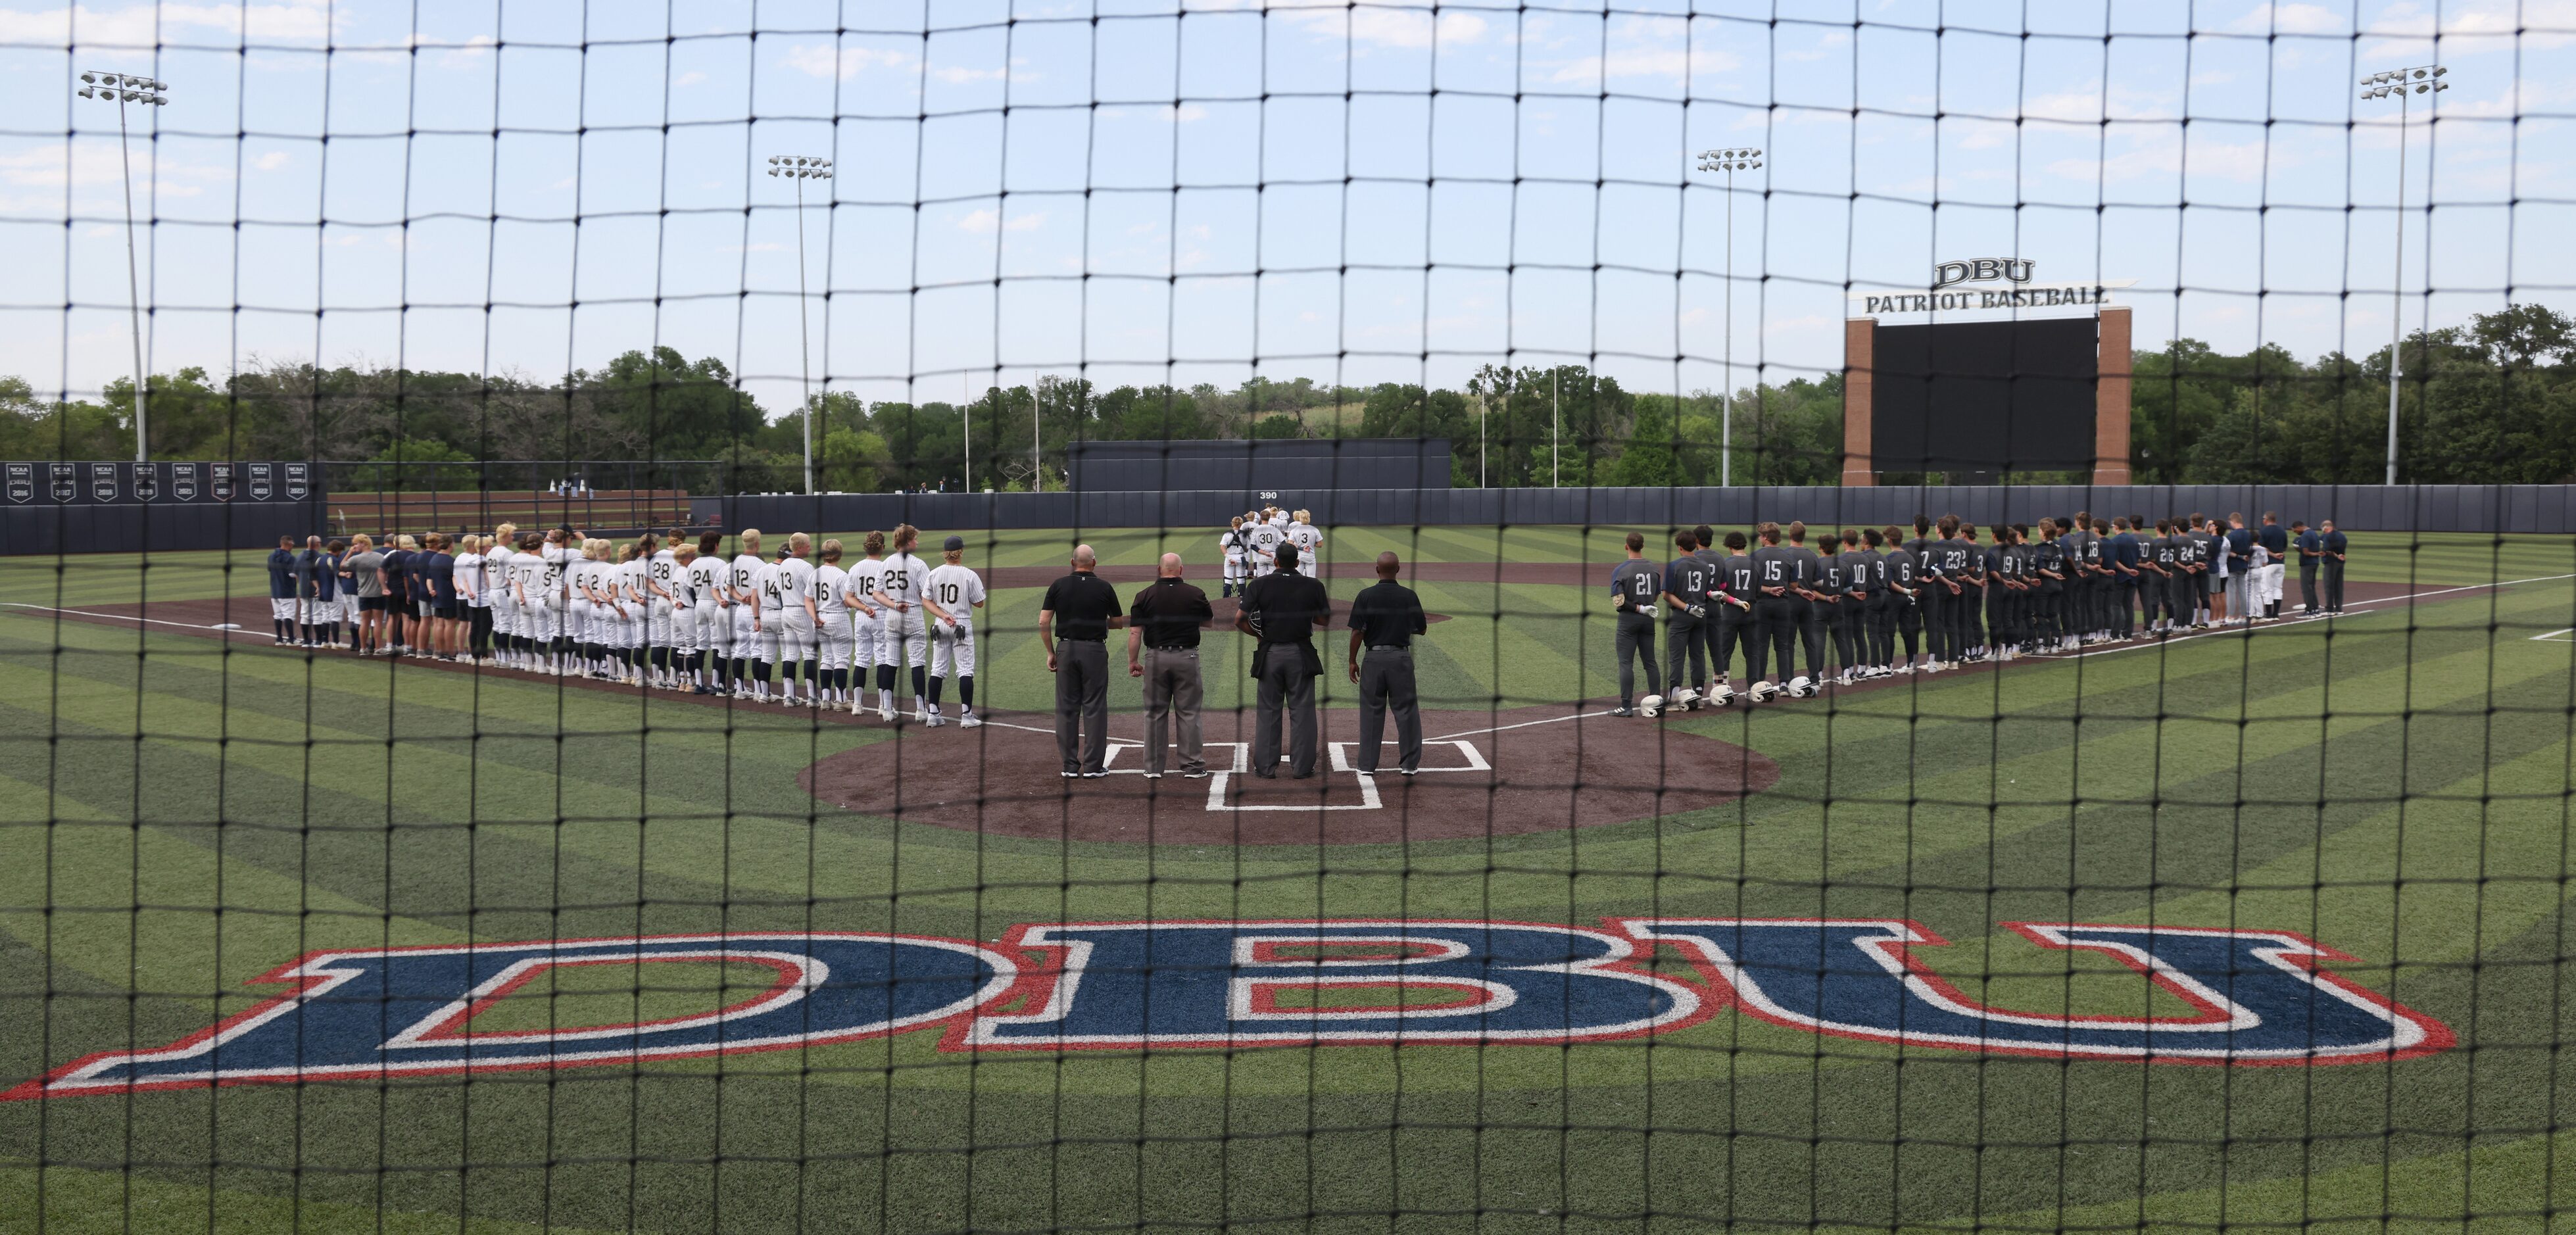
(1634, 585)
(1688, 583)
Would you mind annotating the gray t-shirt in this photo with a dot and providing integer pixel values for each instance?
(366, 573)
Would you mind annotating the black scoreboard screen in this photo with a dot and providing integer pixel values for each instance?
(1984, 397)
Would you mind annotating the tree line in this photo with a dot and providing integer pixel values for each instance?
(2490, 401)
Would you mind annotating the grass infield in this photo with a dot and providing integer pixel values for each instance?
(179, 815)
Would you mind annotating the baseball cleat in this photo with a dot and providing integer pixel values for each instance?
(970, 721)
(1623, 710)
(885, 712)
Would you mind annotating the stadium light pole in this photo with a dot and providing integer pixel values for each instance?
(2424, 80)
(801, 168)
(1730, 161)
(1555, 419)
(121, 89)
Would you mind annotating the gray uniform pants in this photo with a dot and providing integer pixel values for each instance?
(2334, 585)
(1284, 682)
(1637, 642)
(1172, 692)
(1082, 704)
(1386, 682)
(2308, 586)
(1686, 639)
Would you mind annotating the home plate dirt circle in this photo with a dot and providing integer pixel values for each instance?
(1483, 774)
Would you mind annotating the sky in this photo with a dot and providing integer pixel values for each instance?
(1142, 191)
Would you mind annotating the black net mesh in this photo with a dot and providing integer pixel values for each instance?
(1284, 616)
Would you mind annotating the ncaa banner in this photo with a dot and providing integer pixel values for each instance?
(2253, 997)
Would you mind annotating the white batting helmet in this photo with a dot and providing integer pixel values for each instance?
(1650, 706)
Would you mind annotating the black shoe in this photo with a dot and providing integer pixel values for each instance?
(1624, 710)
(1308, 774)
(1198, 774)
(1069, 774)
(1407, 771)
(1267, 775)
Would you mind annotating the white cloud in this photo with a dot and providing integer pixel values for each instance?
(51, 167)
(690, 78)
(819, 61)
(1652, 47)
(272, 160)
(1184, 113)
(1379, 23)
(145, 25)
(983, 221)
(2270, 18)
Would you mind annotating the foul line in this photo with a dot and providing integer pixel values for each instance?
(2235, 629)
(2553, 635)
(128, 617)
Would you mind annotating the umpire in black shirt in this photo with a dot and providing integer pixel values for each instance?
(1163, 649)
(1384, 620)
(1282, 610)
(1080, 610)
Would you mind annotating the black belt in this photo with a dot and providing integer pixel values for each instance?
(1175, 647)
(1389, 647)
(1081, 639)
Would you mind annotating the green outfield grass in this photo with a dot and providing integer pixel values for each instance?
(177, 817)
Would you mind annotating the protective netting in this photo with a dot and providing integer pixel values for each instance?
(1873, 581)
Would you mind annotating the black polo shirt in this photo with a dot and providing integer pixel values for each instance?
(1290, 605)
(1169, 612)
(1388, 615)
(1082, 603)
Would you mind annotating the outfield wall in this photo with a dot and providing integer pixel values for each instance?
(46, 530)
(2523, 509)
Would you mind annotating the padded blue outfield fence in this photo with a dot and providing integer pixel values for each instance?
(2521, 509)
(45, 530)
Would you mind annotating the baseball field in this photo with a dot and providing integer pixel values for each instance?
(2246, 930)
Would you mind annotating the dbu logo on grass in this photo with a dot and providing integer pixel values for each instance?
(2252, 997)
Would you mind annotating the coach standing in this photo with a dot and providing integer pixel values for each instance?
(1384, 619)
(2334, 545)
(1282, 610)
(1165, 620)
(1080, 610)
(2311, 547)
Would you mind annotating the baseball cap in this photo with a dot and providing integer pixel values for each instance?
(953, 542)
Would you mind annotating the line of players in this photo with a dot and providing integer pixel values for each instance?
(1949, 596)
(1251, 543)
(659, 613)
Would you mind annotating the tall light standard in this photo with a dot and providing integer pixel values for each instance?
(2401, 83)
(1742, 159)
(1555, 420)
(801, 168)
(121, 89)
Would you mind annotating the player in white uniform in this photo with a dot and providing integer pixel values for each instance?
(768, 614)
(1262, 543)
(831, 626)
(712, 629)
(556, 631)
(504, 594)
(859, 592)
(633, 611)
(662, 601)
(684, 618)
(796, 636)
(1278, 518)
(1231, 545)
(583, 600)
(1303, 533)
(950, 599)
(898, 593)
(746, 645)
(473, 597)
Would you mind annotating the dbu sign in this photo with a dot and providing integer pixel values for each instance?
(2252, 997)
(1983, 270)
